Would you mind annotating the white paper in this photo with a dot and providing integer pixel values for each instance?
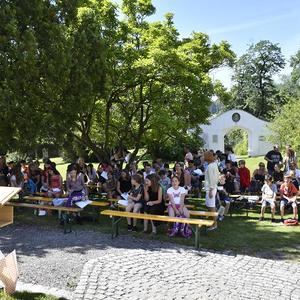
(198, 172)
(123, 202)
(104, 175)
(125, 196)
(83, 204)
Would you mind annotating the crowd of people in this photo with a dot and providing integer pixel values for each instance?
(156, 187)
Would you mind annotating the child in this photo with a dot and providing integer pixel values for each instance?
(176, 195)
(223, 195)
(288, 193)
(244, 175)
(269, 191)
(135, 200)
(164, 181)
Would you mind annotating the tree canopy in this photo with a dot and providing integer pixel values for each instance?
(79, 74)
(254, 89)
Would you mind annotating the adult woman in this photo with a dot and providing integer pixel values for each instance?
(124, 183)
(258, 178)
(76, 187)
(154, 200)
(17, 178)
(211, 183)
(55, 182)
(290, 158)
(91, 174)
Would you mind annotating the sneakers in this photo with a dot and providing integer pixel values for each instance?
(261, 219)
(212, 228)
(134, 228)
(129, 228)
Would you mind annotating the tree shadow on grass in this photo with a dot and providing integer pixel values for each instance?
(33, 236)
(28, 296)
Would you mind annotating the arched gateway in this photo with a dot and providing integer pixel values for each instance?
(213, 134)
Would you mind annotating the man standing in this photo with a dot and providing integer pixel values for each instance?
(273, 157)
(211, 183)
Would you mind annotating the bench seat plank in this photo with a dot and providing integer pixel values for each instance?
(117, 213)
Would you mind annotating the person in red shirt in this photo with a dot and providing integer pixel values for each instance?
(288, 195)
(244, 174)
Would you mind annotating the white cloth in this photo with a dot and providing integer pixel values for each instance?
(176, 194)
(211, 176)
(211, 201)
(269, 191)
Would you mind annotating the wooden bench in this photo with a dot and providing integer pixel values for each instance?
(65, 217)
(116, 216)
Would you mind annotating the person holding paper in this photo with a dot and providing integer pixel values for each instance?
(135, 200)
(124, 183)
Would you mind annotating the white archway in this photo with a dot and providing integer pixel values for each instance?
(257, 129)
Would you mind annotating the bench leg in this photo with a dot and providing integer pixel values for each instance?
(197, 237)
(115, 227)
(67, 220)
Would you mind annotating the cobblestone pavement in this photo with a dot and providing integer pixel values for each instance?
(93, 266)
(171, 274)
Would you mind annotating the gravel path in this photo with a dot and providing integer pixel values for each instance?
(130, 268)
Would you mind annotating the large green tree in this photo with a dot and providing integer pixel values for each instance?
(254, 89)
(87, 78)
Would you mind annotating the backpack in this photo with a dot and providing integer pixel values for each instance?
(291, 222)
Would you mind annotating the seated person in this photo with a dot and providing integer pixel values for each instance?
(176, 196)
(124, 183)
(55, 182)
(258, 178)
(164, 181)
(155, 204)
(288, 193)
(135, 200)
(244, 175)
(278, 175)
(269, 191)
(223, 195)
(110, 185)
(230, 175)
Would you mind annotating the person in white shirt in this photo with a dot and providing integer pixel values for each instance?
(269, 191)
(211, 183)
(176, 196)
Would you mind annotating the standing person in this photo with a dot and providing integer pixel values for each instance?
(211, 183)
(289, 158)
(244, 174)
(153, 197)
(273, 157)
(3, 171)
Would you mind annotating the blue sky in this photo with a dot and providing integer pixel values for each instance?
(240, 22)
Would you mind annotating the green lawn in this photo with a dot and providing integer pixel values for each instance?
(27, 296)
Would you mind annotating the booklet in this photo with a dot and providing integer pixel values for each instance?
(83, 204)
(104, 175)
(125, 196)
(123, 202)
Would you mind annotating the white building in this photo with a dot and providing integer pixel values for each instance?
(257, 129)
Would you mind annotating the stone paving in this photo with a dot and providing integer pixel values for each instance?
(171, 274)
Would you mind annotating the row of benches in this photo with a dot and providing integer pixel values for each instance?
(116, 215)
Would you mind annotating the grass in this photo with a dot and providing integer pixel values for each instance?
(239, 233)
(26, 296)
